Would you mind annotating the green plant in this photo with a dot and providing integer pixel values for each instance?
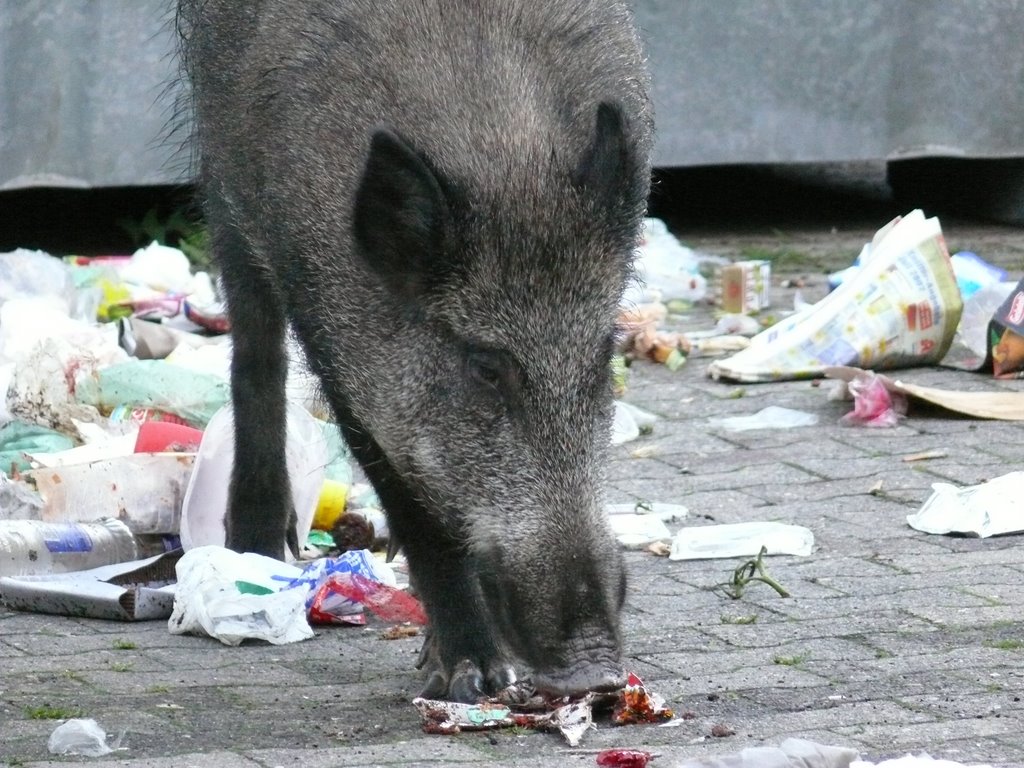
(790, 661)
(751, 570)
(46, 712)
(124, 645)
(1009, 644)
(176, 229)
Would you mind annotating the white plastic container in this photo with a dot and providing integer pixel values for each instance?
(29, 547)
(740, 540)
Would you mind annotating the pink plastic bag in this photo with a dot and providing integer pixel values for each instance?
(873, 404)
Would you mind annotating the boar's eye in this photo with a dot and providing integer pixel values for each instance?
(493, 370)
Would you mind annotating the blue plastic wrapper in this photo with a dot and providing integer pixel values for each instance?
(359, 562)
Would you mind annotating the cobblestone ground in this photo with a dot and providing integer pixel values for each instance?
(892, 641)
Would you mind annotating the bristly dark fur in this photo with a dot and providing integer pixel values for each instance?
(442, 197)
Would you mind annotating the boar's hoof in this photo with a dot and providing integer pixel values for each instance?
(598, 677)
(467, 683)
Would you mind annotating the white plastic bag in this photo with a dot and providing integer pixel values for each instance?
(79, 737)
(772, 417)
(988, 509)
(666, 268)
(206, 498)
(235, 597)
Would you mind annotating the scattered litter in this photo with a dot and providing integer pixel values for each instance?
(973, 273)
(660, 548)
(193, 395)
(735, 324)
(624, 758)
(717, 345)
(399, 631)
(1007, 334)
(235, 597)
(916, 761)
(901, 308)
(18, 440)
(637, 525)
(630, 422)
(975, 321)
(515, 707)
(339, 588)
(17, 501)
(30, 547)
(133, 591)
(665, 268)
(637, 705)
(641, 337)
(744, 287)
(792, 753)
(925, 456)
(206, 498)
(143, 490)
(572, 720)
(1004, 405)
(740, 540)
(874, 404)
(772, 417)
(80, 737)
(992, 508)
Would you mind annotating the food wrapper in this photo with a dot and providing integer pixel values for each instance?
(338, 588)
(570, 717)
(1006, 336)
(900, 309)
(636, 705)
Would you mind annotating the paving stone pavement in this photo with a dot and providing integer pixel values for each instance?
(893, 640)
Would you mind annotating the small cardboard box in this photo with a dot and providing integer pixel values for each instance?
(745, 286)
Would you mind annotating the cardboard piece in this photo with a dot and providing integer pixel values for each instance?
(136, 591)
(1002, 405)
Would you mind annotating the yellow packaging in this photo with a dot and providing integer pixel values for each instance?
(331, 505)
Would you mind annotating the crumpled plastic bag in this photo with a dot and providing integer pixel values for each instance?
(874, 405)
(235, 597)
(987, 509)
(792, 753)
(665, 268)
(772, 417)
(338, 588)
(916, 761)
(80, 737)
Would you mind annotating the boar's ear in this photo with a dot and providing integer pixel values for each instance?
(400, 216)
(605, 166)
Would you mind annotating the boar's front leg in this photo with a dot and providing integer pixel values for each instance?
(461, 654)
(261, 516)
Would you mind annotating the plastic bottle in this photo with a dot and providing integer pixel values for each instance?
(29, 547)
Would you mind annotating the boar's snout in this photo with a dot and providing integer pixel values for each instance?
(561, 616)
